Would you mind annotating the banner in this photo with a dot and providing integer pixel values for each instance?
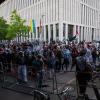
(32, 26)
(40, 28)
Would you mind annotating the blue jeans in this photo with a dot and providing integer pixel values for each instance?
(22, 73)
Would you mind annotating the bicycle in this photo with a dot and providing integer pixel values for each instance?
(67, 94)
(39, 95)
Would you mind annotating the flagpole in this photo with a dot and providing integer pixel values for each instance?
(42, 35)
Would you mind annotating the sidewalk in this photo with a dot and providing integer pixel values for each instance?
(62, 80)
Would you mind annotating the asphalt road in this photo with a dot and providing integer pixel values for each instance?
(10, 95)
(62, 80)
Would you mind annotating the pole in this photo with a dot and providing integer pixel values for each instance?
(43, 27)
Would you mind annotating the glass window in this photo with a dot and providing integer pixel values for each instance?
(92, 33)
(83, 33)
(80, 33)
(70, 31)
(51, 31)
(38, 32)
(57, 31)
(64, 30)
(46, 32)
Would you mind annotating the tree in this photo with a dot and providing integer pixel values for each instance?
(3, 28)
(17, 26)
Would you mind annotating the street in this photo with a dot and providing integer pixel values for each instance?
(62, 80)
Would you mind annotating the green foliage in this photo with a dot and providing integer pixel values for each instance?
(3, 28)
(11, 32)
(16, 26)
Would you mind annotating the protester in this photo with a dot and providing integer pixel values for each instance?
(83, 69)
(22, 68)
(53, 57)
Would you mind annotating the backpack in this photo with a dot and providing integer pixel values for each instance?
(65, 54)
(81, 63)
(83, 68)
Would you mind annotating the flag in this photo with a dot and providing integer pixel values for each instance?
(77, 33)
(30, 25)
(40, 28)
(33, 26)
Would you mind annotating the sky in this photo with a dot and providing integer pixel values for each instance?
(1, 1)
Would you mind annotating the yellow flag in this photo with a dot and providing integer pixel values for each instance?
(30, 25)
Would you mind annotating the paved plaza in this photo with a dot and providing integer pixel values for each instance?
(63, 79)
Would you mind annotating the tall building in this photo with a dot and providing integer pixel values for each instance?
(59, 18)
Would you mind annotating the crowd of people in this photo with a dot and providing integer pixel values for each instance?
(33, 58)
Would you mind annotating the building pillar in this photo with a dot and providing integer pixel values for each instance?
(74, 30)
(60, 20)
(60, 31)
(66, 35)
(78, 34)
(89, 33)
(36, 34)
(96, 33)
(86, 36)
(44, 33)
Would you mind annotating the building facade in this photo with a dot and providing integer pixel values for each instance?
(60, 18)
